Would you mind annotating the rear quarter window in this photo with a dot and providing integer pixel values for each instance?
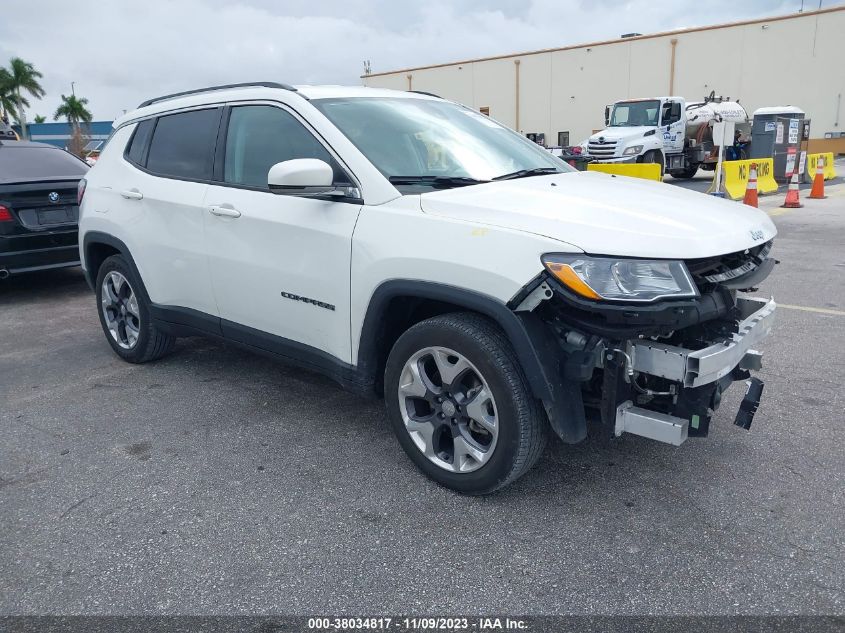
(137, 149)
(182, 145)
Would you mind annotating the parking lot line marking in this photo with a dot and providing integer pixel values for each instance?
(809, 309)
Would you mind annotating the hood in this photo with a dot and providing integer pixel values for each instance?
(617, 133)
(608, 215)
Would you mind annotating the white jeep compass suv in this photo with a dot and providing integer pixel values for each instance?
(413, 248)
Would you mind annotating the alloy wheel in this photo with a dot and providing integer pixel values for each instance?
(120, 309)
(448, 409)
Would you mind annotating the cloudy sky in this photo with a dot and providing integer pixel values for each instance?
(120, 52)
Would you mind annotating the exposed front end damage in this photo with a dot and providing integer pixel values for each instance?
(674, 390)
(657, 370)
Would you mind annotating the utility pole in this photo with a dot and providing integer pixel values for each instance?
(72, 91)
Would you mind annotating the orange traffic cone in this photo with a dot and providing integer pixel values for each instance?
(751, 189)
(792, 201)
(817, 192)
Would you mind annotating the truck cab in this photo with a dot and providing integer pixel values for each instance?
(670, 131)
(640, 131)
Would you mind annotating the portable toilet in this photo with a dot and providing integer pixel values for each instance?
(776, 132)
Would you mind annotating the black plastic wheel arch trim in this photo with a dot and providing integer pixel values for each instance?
(373, 324)
(93, 238)
(530, 337)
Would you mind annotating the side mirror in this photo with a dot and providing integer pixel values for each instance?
(607, 115)
(309, 178)
(303, 177)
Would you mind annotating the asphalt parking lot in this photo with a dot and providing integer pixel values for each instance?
(215, 481)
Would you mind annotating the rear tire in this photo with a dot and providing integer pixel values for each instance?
(685, 174)
(486, 430)
(124, 309)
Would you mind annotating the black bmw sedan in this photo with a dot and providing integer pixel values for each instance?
(38, 207)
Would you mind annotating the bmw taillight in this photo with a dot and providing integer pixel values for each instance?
(5, 214)
(80, 190)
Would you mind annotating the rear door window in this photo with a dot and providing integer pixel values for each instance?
(183, 144)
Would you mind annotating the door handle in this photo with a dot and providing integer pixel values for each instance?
(224, 211)
(132, 194)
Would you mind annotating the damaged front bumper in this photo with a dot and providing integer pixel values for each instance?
(699, 377)
(694, 368)
(657, 370)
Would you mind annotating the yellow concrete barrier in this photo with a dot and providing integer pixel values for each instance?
(812, 162)
(649, 171)
(766, 182)
(735, 177)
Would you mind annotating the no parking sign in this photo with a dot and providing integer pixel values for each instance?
(790, 161)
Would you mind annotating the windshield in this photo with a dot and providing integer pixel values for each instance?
(422, 143)
(631, 113)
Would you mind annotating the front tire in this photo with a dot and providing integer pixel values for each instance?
(124, 309)
(655, 156)
(459, 404)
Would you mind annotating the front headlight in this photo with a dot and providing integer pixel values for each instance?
(610, 279)
(634, 149)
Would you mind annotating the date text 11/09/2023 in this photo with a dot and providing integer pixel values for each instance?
(480, 624)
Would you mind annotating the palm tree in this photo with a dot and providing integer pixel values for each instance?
(40, 118)
(7, 100)
(74, 110)
(24, 77)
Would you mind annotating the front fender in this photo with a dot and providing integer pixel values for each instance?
(528, 335)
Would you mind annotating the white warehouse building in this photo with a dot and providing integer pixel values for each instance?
(796, 59)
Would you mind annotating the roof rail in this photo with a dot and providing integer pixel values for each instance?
(261, 84)
(427, 94)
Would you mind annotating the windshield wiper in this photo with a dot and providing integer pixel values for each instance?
(438, 182)
(525, 173)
